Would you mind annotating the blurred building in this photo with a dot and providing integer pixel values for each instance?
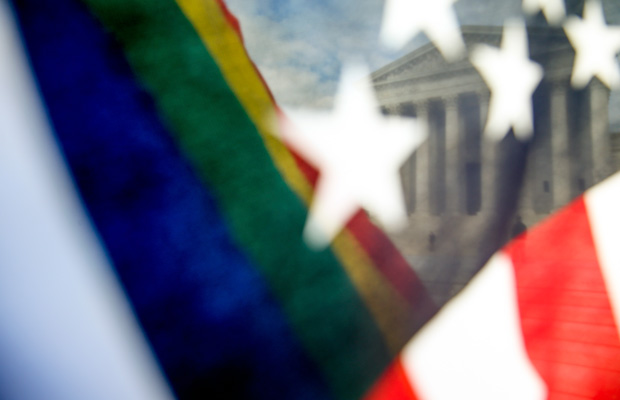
(454, 174)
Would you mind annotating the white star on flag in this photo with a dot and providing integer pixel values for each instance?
(359, 152)
(512, 78)
(553, 10)
(403, 19)
(596, 46)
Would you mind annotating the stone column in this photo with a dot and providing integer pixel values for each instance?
(560, 156)
(405, 170)
(488, 159)
(409, 168)
(422, 164)
(453, 192)
(599, 131)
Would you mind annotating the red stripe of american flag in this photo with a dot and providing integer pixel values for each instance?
(563, 294)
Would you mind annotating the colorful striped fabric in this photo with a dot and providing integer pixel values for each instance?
(160, 115)
(540, 321)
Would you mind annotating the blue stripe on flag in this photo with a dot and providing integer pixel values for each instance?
(66, 329)
(207, 312)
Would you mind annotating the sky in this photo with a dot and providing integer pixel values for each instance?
(300, 45)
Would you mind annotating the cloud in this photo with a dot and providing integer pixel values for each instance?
(299, 70)
(309, 89)
(300, 45)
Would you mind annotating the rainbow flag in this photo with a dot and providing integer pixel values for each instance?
(160, 116)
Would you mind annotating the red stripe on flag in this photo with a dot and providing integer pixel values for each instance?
(393, 385)
(392, 265)
(566, 316)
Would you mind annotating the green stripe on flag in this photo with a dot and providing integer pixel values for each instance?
(265, 216)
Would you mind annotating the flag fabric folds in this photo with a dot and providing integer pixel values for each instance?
(159, 112)
(540, 321)
(197, 210)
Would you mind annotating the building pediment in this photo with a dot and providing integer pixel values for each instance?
(424, 59)
(545, 44)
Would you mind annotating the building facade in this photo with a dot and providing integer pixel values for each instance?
(454, 174)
